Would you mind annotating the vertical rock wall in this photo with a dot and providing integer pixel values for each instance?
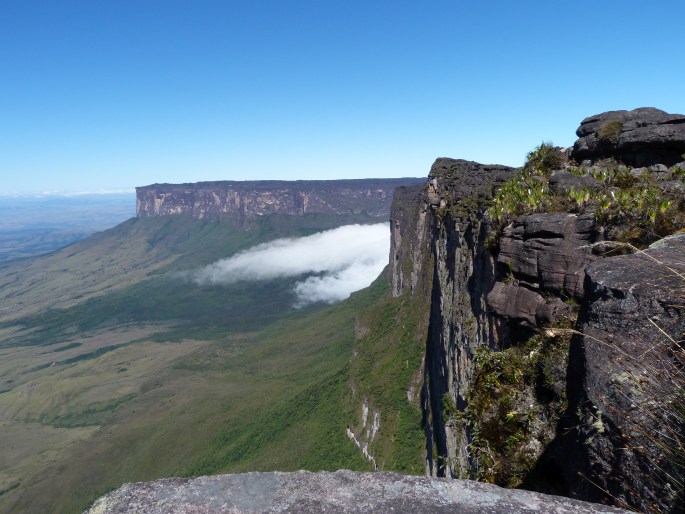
(437, 252)
(625, 362)
(621, 440)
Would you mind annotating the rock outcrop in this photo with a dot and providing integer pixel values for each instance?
(640, 137)
(441, 249)
(454, 270)
(517, 293)
(215, 201)
(340, 492)
(626, 371)
(542, 258)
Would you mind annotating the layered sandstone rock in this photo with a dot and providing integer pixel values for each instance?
(640, 137)
(542, 259)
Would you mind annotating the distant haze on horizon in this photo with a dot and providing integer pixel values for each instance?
(98, 96)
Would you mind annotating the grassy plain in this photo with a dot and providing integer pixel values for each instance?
(113, 370)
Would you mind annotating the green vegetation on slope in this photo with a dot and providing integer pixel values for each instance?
(272, 399)
(149, 376)
(385, 375)
(513, 406)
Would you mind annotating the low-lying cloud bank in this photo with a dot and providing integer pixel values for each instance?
(339, 262)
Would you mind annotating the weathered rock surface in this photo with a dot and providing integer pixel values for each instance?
(459, 272)
(624, 373)
(640, 137)
(217, 200)
(541, 257)
(409, 236)
(342, 491)
(457, 179)
(499, 294)
(562, 181)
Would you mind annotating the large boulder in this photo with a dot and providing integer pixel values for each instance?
(622, 440)
(640, 137)
(339, 492)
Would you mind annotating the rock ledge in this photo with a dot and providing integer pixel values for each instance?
(341, 491)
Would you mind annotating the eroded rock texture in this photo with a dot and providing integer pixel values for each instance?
(536, 274)
(541, 259)
(339, 492)
(460, 276)
(479, 296)
(640, 137)
(619, 442)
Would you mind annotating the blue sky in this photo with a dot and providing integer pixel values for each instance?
(115, 94)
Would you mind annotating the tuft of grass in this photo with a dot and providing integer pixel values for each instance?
(629, 208)
(610, 131)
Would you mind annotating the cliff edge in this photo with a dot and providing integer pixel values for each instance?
(532, 337)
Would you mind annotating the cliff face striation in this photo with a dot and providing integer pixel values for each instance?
(214, 201)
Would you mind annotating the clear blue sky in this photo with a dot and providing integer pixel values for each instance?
(119, 93)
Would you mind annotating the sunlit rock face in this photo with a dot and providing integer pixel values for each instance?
(342, 491)
(549, 277)
(214, 201)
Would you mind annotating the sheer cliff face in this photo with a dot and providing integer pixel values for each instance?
(501, 291)
(217, 200)
(481, 288)
(437, 252)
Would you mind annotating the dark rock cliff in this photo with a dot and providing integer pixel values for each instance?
(446, 262)
(543, 257)
(624, 428)
(215, 201)
(506, 294)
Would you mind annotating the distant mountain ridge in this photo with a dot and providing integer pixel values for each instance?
(214, 201)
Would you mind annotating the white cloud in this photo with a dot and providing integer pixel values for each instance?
(339, 262)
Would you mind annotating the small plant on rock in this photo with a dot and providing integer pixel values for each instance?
(610, 131)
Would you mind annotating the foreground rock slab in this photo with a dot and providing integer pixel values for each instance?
(341, 491)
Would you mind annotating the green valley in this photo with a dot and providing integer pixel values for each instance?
(116, 369)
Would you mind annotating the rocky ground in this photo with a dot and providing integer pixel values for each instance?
(339, 492)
